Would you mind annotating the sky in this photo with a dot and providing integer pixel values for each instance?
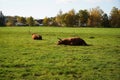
(49, 8)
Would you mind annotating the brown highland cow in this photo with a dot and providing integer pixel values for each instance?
(74, 41)
(36, 36)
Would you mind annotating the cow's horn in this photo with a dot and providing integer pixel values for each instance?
(59, 39)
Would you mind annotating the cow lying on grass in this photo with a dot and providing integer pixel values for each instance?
(36, 36)
(74, 41)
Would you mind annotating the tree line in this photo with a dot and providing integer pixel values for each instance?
(94, 17)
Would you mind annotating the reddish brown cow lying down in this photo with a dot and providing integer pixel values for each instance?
(36, 36)
(74, 41)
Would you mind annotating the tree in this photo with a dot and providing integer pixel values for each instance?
(69, 18)
(2, 19)
(45, 21)
(115, 17)
(21, 20)
(52, 21)
(83, 17)
(10, 21)
(30, 21)
(105, 20)
(95, 17)
(59, 18)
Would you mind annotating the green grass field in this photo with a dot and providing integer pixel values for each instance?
(22, 58)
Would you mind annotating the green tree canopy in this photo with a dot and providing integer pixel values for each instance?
(30, 21)
(105, 20)
(21, 20)
(83, 17)
(2, 19)
(46, 21)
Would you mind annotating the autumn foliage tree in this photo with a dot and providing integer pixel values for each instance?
(95, 17)
(115, 17)
(46, 21)
(10, 21)
(70, 18)
(59, 18)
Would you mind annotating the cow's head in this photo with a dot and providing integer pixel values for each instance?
(60, 41)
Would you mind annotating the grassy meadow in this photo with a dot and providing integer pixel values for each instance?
(22, 58)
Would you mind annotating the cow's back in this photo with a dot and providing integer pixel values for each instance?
(77, 41)
(36, 37)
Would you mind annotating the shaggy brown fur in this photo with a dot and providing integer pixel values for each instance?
(36, 37)
(75, 41)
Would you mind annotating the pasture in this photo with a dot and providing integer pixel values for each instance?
(22, 58)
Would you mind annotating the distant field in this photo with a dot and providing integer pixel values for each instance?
(22, 58)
